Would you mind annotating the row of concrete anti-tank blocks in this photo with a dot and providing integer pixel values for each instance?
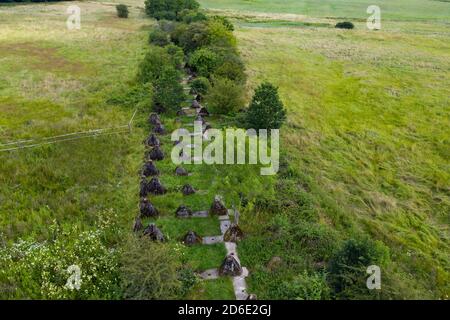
(150, 184)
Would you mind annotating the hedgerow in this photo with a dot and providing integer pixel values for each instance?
(206, 43)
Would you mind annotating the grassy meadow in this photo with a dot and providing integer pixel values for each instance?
(365, 148)
(350, 9)
(56, 81)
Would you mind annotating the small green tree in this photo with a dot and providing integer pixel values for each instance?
(266, 110)
(225, 96)
(122, 11)
(169, 91)
(348, 266)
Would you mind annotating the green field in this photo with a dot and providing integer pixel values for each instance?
(365, 150)
(354, 9)
(55, 82)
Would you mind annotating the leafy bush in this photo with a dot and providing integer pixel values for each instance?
(167, 25)
(191, 37)
(225, 96)
(122, 11)
(219, 35)
(315, 239)
(345, 25)
(189, 4)
(211, 34)
(158, 37)
(200, 86)
(169, 92)
(312, 239)
(149, 270)
(232, 68)
(189, 16)
(204, 61)
(348, 266)
(188, 280)
(176, 55)
(150, 69)
(266, 110)
(223, 20)
(166, 15)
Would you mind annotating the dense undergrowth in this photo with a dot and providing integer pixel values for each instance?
(302, 240)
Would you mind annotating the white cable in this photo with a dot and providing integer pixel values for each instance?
(89, 133)
(15, 142)
(62, 140)
(65, 135)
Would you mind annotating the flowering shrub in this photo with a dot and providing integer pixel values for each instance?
(32, 270)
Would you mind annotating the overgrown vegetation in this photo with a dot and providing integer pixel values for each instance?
(225, 96)
(169, 91)
(149, 270)
(362, 177)
(348, 266)
(158, 37)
